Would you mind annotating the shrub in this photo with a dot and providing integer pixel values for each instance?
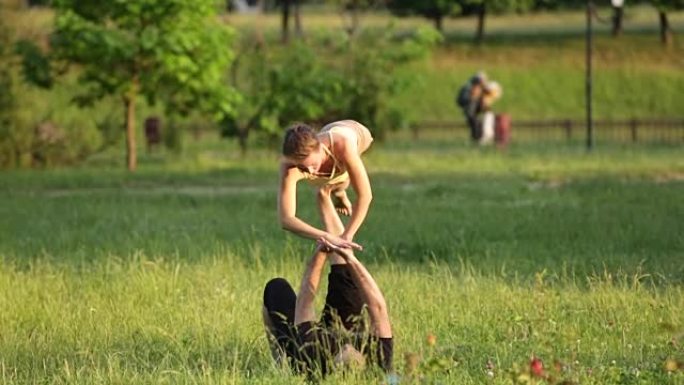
(336, 77)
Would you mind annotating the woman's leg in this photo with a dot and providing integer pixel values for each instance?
(340, 199)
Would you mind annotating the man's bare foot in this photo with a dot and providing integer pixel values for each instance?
(342, 203)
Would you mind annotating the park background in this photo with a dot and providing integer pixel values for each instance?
(491, 259)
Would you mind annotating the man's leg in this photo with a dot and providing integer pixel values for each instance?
(474, 126)
(278, 316)
(343, 303)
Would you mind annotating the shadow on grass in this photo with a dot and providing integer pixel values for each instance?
(503, 223)
(643, 39)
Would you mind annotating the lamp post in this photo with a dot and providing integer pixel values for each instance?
(617, 16)
(588, 90)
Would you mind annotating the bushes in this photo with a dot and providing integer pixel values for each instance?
(341, 78)
(49, 138)
(332, 76)
(45, 129)
(40, 127)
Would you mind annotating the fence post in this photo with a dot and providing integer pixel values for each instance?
(568, 129)
(414, 131)
(633, 124)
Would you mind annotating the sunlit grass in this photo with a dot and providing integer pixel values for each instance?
(156, 277)
(167, 320)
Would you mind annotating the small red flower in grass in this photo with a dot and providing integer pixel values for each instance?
(536, 367)
(431, 339)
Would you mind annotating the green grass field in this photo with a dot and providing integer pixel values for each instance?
(544, 250)
(156, 277)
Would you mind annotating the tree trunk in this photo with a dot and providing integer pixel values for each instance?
(481, 13)
(242, 140)
(285, 32)
(439, 23)
(129, 103)
(617, 21)
(354, 19)
(665, 31)
(297, 19)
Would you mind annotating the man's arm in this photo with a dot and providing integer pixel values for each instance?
(304, 311)
(377, 307)
(276, 352)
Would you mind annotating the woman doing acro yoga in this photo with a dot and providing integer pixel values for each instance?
(330, 160)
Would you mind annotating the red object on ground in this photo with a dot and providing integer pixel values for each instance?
(537, 367)
(502, 129)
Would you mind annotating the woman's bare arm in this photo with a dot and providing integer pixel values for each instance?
(287, 205)
(361, 185)
(304, 311)
(287, 209)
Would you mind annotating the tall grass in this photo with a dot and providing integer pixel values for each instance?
(143, 320)
(573, 258)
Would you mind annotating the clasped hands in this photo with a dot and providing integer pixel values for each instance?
(341, 242)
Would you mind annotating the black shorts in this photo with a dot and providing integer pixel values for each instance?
(318, 346)
(343, 303)
(312, 345)
(280, 301)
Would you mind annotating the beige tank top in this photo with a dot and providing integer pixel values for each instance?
(335, 176)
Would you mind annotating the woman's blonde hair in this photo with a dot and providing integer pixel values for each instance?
(300, 141)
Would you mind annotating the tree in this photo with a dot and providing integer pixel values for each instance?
(481, 7)
(297, 83)
(173, 50)
(663, 7)
(351, 10)
(7, 98)
(286, 7)
(435, 10)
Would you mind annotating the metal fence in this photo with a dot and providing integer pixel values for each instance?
(666, 131)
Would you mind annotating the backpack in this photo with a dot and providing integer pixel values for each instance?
(463, 96)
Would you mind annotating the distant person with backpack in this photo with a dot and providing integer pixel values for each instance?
(475, 98)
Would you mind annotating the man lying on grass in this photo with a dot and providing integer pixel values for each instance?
(339, 339)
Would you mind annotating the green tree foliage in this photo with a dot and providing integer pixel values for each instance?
(173, 50)
(302, 83)
(435, 10)
(7, 98)
(351, 11)
(35, 65)
(38, 128)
